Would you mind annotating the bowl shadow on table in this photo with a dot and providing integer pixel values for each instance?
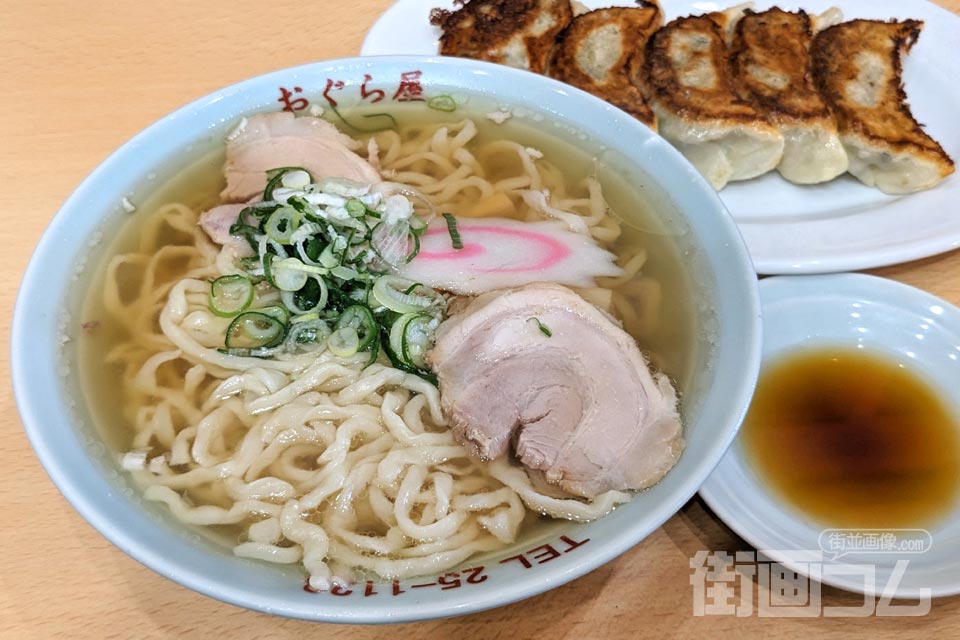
(695, 528)
(182, 614)
(589, 602)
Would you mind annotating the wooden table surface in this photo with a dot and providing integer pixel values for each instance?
(79, 79)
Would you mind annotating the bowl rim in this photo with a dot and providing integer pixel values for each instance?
(25, 349)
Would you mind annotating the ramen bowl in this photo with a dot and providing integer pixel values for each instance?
(720, 351)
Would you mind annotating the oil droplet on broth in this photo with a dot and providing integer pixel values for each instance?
(854, 440)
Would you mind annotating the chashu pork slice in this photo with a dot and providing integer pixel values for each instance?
(540, 368)
(686, 74)
(216, 223)
(271, 140)
(770, 58)
(858, 67)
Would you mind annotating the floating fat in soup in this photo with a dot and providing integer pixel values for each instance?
(330, 461)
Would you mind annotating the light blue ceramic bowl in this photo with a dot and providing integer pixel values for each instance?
(78, 462)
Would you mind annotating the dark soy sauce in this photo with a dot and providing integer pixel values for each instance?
(854, 440)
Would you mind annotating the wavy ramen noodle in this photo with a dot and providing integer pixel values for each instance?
(320, 460)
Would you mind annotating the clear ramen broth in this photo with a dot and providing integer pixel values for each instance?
(656, 305)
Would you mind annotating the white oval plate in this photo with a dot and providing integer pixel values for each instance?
(883, 317)
(839, 226)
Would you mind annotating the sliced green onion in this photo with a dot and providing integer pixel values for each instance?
(288, 275)
(355, 208)
(306, 334)
(410, 337)
(267, 262)
(297, 179)
(399, 363)
(396, 335)
(442, 103)
(327, 258)
(299, 204)
(245, 231)
(252, 330)
(454, 232)
(360, 319)
(544, 329)
(373, 129)
(416, 248)
(275, 311)
(317, 245)
(418, 226)
(418, 337)
(390, 242)
(261, 352)
(305, 317)
(345, 273)
(313, 295)
(250, 263)
(344, 342)
(374, 349)
(314, 249)
(392, 125)
(274, 177)
(282, 223)
(344, 187)
(229, 295)
(388, 291)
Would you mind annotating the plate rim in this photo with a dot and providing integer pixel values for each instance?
(763, 238)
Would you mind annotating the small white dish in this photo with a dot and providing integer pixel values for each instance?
(884, 318)
(841, 225)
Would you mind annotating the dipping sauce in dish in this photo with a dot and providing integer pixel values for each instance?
(854, 440)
